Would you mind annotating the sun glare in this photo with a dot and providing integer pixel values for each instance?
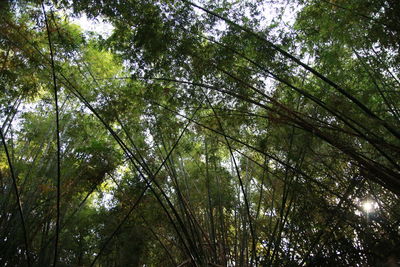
(368, 206)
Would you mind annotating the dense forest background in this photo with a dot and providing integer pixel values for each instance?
(209, 133)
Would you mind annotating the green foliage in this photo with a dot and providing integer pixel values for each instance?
(196, 136)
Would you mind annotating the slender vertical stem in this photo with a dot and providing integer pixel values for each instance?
(241, 184)
(57, 136)
(17, 198)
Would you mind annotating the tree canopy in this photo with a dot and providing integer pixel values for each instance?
(209, 133)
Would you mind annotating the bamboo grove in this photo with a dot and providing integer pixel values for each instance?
(209, 133)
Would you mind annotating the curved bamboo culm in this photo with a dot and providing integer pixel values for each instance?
(365, 109)
(204, 165)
